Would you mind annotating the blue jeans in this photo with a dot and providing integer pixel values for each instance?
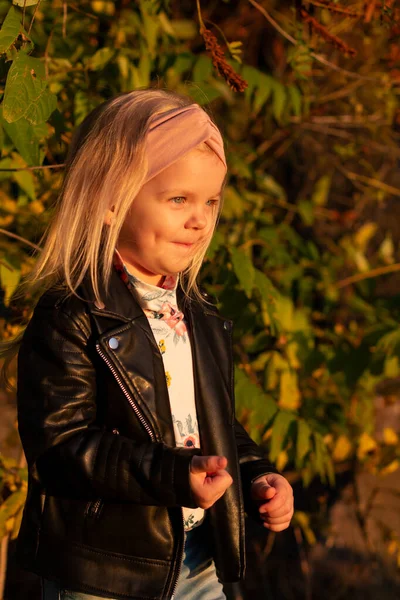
(197, 580)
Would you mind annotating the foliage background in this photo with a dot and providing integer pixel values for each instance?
(306, 258)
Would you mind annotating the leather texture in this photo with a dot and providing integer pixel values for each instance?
(106, 482)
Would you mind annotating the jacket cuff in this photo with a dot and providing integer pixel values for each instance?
(181, 482)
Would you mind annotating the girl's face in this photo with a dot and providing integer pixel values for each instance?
(173, 214)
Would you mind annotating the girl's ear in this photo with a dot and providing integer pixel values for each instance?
(109, 216)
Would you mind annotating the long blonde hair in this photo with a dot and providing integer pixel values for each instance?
(105, 167)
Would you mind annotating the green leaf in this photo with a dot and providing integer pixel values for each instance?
(22, 135)
(27, 2)
(9, 279)
(233, 203)
(253, 78)
(145, 65)
(202, 69)
(83, 104)
(279, 100)
(295, 98)
(184, 29)
(389, 344)
(262, 92)
(204, 93)
(280, 429)
(289, 394)
(302, 442)
(320, 455)
(10, 29)
(26, 94)
(182, 63)
(252, 401)
(244, 270)
(321, 190)
(269, 295)
(26, 182)
(151, 27)
(10, 507)
(17, 522)
(272, 187)
(306, 210)
(25, 179)
(216, 242)
(99, 59)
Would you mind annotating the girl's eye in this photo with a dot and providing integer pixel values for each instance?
(182, 200)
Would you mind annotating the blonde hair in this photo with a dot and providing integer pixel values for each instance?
(105, 167)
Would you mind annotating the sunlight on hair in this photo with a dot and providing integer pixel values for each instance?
(105, 167)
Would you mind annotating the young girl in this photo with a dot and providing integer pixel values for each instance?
(139, 473)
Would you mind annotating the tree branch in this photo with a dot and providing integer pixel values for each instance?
(18, 237)
(368, 275)
(60, 166)
(318, 57)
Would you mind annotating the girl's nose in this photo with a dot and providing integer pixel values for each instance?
(198, 219)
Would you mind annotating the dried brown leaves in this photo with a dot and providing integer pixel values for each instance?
(223, 68)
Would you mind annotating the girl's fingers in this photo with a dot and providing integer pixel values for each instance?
(277, 520)
(207, 464)
(277, 506)
(276, 528)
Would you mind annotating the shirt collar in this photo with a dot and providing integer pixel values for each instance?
(149, 296)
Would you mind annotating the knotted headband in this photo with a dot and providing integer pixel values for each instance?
(174, 133)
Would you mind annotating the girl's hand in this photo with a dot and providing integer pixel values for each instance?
(274, 494)
(209, 479)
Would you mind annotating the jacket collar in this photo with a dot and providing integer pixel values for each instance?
(121, 305)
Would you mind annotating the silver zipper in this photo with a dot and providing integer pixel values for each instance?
(93, 508)
(128, 397)
(153, 439)
(178, 572)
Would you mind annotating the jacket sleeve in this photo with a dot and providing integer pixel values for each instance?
(66, 449)
(252, 465)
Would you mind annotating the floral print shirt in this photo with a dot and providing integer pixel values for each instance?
(169, 329)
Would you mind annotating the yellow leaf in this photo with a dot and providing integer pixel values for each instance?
(342, 448)
(321, 190)
(390, 437)
(281, 460)
(105, 7)
(365, 444)
(392, 547)
(303, 521)
(361, 261)
(289, 397)
(36, 207)
(9, 524)
(392, 367)
(390, 468)
(267, 434)
(292, 350)
(9, 205)
(9, 279)
(364, 234)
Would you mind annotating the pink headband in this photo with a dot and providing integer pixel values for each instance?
(174, 133)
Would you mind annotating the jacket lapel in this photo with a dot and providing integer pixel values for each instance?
(125, 340)
(137, 360)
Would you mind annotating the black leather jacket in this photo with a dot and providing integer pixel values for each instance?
(106, 482)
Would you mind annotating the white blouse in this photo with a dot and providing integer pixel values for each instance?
(169, 329)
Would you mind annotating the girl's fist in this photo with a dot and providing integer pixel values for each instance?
(274, 497)
(208, 479)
